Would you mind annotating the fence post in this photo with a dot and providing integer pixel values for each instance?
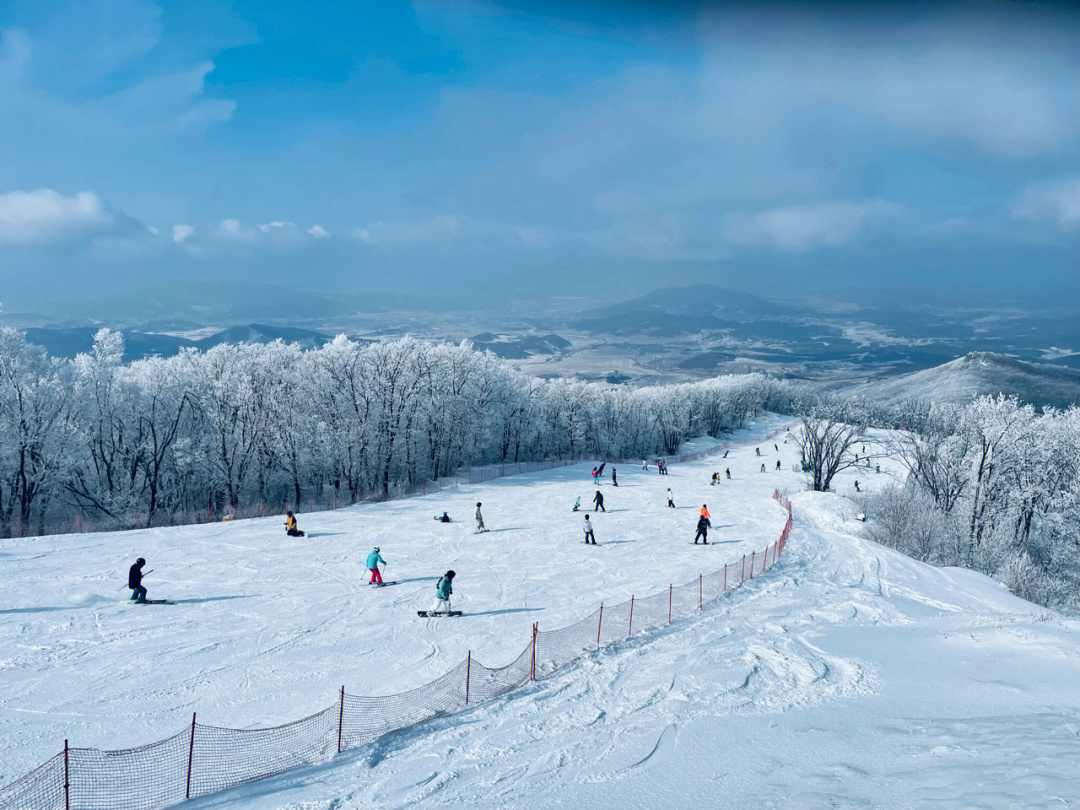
(630, 628)
(742, 572)
(468, 673)
(78, 521)
(67, 780)
(700, 600)
(532, 657)
(599, 622)
(751, 565)
(669, 604)
(724, 589)
(340, 717)
(190, 757)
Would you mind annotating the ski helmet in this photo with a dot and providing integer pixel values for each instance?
(450, 574)
(140, 561)
(478, 503)
(376, 548)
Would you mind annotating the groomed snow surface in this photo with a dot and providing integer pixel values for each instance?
(848, 676)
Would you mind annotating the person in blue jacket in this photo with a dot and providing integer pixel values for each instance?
(443, 588)
(372, 563)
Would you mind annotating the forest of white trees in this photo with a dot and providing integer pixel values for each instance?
(992, 485)
(201, 435)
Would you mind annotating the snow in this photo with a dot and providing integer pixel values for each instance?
(848, 676)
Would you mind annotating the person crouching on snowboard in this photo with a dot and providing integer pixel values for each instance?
(290, 526)
(372, 563)
(443, 588)
(138, 592)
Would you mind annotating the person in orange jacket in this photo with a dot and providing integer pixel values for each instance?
(705, 514)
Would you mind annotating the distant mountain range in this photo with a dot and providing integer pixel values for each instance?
(70, 341)
(979, 374)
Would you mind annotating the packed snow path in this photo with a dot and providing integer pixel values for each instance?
(849, 676)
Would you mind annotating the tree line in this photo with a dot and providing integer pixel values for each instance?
(201, 435)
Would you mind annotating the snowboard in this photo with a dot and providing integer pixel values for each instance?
(427, 614)
(154, 602)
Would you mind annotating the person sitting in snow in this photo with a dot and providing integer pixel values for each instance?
(135, 575)
(443, 518)
(372, 563)
(290, 526)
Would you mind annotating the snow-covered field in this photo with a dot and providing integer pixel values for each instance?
(848, 676)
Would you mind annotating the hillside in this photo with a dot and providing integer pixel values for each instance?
(977, 374)
(847, 676)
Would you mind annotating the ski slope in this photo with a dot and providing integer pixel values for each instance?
(848, 676)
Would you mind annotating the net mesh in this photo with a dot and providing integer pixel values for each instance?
(204, 759)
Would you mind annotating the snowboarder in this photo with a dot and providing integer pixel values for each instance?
(763, 468)
(705, 514)
(702, 531)
(479, 519)
(614, 480)
(290, 526)
(443, 588)
(443, 518)
(598, 501)
(877, 468)
(645, 464)
(757, 451)
(775, 447)
(595, 475)
(670, 498)
(577, 503)
(727, 473)
(857, 485)
(778, 464)
(590, 538)
(372, 564)
(135, 575)
(715, 479)
(726, 452)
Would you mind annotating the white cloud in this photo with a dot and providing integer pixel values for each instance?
(318, 231)
(46, 215)
(1057, 203)
(181, 232)
(277, 225)
(798, 229)
(234, 229)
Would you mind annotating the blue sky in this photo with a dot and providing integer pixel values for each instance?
(382, 145)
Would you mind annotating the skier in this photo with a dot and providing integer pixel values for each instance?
(670, 498)
(590, 538)
(479, 519)
(135, 575)
(726, 452)
(727, 473)
(372, 564)
(715, 479)
(757, 451)
(290, 526)
(598, 501)
(702, 531)
(778, 464)
(763, 467)
(614, 480)
(443, 588)
(577, 503)
(705, 514)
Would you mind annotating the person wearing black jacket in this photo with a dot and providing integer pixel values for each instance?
(135, 575)
(702, 530)
(598, 501)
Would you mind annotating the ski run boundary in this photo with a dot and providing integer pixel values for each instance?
(201, 759)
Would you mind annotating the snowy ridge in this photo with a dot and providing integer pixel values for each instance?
(203, 759)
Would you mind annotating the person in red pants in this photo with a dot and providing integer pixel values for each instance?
(373, 560)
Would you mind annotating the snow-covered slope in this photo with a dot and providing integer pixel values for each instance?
(978, 374)
(848, 676)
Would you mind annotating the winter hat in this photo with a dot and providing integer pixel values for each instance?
(450, 574)
(140, 561)
(376, 548)
(478, 503)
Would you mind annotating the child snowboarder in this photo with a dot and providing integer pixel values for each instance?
(577, 503)
(443, 518)
(443, 588)
(595, 476)
(590, 538)
(372, 563)
(670, 498)
(857, 485)
(479, 519)
(135, 575)
(598, 502)
(702, 531)
(290, 526)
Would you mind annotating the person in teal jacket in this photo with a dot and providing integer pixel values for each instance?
(373, 560)
(443, 588)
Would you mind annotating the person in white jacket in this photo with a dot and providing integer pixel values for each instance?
(479, 519)
(590, 538)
